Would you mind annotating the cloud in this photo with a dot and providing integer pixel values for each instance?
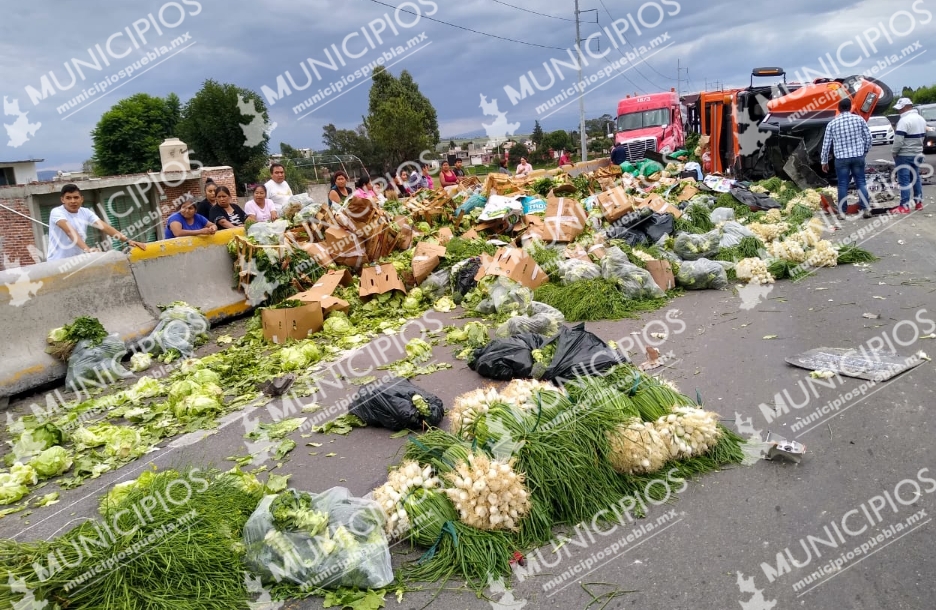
(251, 42)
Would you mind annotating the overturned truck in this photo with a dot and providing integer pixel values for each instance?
(777, 129)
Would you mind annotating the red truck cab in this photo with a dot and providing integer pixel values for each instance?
(650, 122)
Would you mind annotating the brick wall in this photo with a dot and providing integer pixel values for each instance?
(168, 207)
(16, 235)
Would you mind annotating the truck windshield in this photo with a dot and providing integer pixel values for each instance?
(929, 113)
(644, 118)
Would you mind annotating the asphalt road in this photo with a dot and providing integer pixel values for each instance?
(720, 546)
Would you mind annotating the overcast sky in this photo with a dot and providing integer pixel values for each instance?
(251, 42)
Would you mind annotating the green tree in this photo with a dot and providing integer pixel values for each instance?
(517, 150)
(385, 87)
(558, 140)
(398, 128)
(924, 95)
(352, 142)
(595, 128)
(127, 137)
(218, 133)
(537, 136)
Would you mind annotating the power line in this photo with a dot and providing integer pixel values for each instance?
(520, 8)
(634, 64)
(460, 27)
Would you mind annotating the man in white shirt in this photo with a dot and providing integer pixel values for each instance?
(524, 168)
(277, 188)
(68, 226)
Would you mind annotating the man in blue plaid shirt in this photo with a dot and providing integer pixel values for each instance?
(849, 135)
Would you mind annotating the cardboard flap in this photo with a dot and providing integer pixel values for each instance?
(662, 273)
(425, 260)
(688, 193)
(325, 286)
(380, 279)
(319, 253)
(445, 235)
(659, 205)
(294, 323)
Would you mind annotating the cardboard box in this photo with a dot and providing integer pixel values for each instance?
(598, 251)
(576, 252)
(515, 264)
(425, 260)
(330, 304)
(688, 193)
(470, 234)
(660, 206)
(295, 323)
(445, 235)
(322, 291)
(615, 203)
(380, 279)
(662, 273)
(565, 219)
(319, 253)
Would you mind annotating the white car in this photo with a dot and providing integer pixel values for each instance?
(882, 132)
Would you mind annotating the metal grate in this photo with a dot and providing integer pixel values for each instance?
(637, 149)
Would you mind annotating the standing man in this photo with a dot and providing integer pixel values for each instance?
(908, 154)
(851, 138)
(277, 188)
(459, 170)
(68, 226)
(618, 154)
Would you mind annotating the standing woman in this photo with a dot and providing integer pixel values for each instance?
(339, 189)
(447, 176)
(204, 206)
(260, 209)
(226, 214)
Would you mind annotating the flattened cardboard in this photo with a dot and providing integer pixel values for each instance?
(662, 273)
(615, 203)
(325, 286)
(295, 323)
(515, 264)
(319, 253)
(565, 219)
(445, 235)
(470, 234)
(380, 279)
(687, 193)
(425, 260)
(576, 252)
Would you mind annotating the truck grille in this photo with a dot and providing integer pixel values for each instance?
(637, 149)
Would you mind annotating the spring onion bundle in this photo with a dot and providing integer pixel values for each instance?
(637, 448)
(407, 478)
(754, 270)
(688, 431)
(488, 493)
(850, 254)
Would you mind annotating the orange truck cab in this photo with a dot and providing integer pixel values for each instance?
(649, 122)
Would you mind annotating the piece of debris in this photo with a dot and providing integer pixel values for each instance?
(653, 360)
(779, 447)
(768, 337)
(278, 386)
(822, 374)
(871, 316)
(873, 365)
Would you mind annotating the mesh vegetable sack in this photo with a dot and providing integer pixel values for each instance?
(733, 233)
(702, 274)
(268, 233)
(181, 327)
(93, 366)
(574, 270)
(691, 247)
(635, 283)
(349, 550)
(722, 215)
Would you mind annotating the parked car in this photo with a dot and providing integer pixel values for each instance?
(928, 112)
(881, 130)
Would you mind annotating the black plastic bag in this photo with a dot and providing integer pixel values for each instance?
(508, 358)
(632, 219)
(578, 353)
(463, 280)
(754, 201)
(632, 237)
(658, 226)
(389, 404)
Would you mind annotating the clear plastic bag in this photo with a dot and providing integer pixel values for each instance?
(352, 550)
(268, 233)
(733, 233)
(307, 214)
(575, 270)
(436, 285)
(547, 310)
(722, 215)
(538, 324)
(701, 275)
(181, 328)
(95, 366)
(507, 296)
(692, 247)
(635, 283)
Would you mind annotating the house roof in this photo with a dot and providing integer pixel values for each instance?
(23, 161)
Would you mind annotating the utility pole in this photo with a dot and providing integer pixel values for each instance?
(581, 96)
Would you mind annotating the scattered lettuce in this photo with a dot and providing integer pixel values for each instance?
(52, 462)
(418, 350)
(140, 361)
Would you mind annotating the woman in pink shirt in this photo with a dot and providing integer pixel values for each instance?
(260, 209)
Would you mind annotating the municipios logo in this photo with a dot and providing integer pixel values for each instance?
(28, 601)
(23, 289)
(21, 129)
(261, 449)
(753, 294)
(257, 127)
(507, 601)
(497, 131)
(746, 428)
(757, 601)
(750, 138)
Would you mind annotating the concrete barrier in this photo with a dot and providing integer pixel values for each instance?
(197, 270)
(38, 298)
